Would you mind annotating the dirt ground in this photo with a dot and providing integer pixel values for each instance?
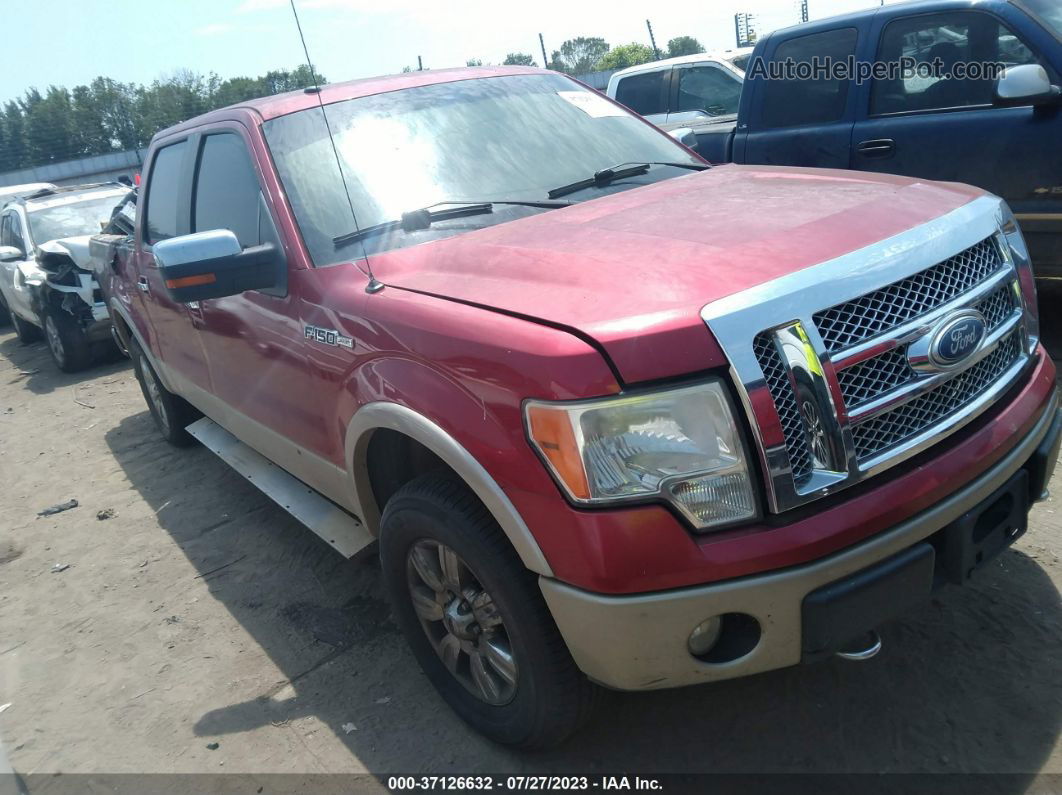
(194, 611)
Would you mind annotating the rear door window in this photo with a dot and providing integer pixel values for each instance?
(818, 100)
(163, 195)
(644, 93)
(226, 189)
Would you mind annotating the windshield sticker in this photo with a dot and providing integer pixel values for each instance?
(592, 104)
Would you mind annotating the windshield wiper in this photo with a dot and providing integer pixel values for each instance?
(606, 175)
(426, 216)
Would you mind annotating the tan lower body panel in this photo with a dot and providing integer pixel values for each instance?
(338, 528)
(639, 642)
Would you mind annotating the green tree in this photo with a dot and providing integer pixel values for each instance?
(518, 59)
(15, 134)
(49, 126)
(116, 104)
(474, 62)
(578, 56)
(90, 135)
(683, 45)
(625, 55)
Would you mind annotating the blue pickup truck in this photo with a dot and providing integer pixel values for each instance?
(1002, 134)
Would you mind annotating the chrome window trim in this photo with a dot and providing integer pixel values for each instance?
(791, 301)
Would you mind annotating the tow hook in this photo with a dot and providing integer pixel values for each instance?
(863, 648)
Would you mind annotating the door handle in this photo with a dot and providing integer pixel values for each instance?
(142, 283)
(879, 147)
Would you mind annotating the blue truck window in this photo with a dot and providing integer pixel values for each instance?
(943, 41)
(819, 100)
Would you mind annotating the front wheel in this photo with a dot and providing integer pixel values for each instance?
(172, 414)
(67, 343)
(475, 618)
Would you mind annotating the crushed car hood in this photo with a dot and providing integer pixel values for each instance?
(631, 271)
(77, 248)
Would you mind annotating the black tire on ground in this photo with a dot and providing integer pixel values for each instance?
(5, 313)
(67, 343)
(172, 414)
(552, 697)
(26, 331)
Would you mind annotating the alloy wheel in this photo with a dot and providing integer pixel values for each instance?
(462, 622)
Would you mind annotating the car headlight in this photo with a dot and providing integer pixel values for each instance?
(681, 445)
(1012, 244)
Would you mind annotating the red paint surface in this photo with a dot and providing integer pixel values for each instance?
(632, 270)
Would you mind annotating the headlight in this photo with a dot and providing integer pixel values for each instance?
(681, 445)
(1012, 242)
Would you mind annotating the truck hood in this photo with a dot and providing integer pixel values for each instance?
(631, 271)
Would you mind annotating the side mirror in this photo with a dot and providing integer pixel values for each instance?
(212, 265)
(1027, 84)
(10, 254)
(685, 136)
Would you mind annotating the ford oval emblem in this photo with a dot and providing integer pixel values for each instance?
(957, 338)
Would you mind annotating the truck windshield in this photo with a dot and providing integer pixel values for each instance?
(482, 140)
(70, 216)
(1048, 11)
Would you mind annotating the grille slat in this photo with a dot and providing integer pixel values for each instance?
(878, 434)
(785, 404)
(878, 312)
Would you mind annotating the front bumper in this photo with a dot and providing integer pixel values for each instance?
(640, 642)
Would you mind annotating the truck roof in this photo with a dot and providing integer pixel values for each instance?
(271, 107)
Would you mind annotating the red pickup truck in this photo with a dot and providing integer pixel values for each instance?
(612, 417)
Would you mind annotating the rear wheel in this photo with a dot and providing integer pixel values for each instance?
(172, 414)
(475, 618)
(26, 331)
(67, 343)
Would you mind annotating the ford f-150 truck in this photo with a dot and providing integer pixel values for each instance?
(613, 417)
(939, 119)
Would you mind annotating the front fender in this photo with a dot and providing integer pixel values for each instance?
(396, 417)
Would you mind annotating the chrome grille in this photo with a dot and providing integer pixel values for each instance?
(785, 404)
(885, 430)
(876, 313)
(874, 377)
(997, 307)
(867, 380)
(798, 348)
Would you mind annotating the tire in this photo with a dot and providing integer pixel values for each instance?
(5, 313)
(26, 331)
(544, 698)
(172, 414)
(67, 343)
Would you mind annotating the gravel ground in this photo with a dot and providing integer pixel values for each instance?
(195, 612)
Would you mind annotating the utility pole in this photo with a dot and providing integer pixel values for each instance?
(542, 44)
(420, 64)
(652, 39)
(804, 10)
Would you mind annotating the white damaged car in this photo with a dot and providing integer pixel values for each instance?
(46, 279)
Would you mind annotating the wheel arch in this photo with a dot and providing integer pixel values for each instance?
(387, 416)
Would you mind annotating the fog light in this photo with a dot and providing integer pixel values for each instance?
(704, 636)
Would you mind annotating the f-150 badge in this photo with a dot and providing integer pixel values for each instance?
(327, 336)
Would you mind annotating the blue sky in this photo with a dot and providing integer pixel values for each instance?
(141, 40)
